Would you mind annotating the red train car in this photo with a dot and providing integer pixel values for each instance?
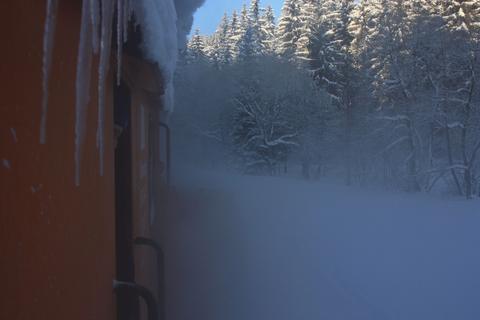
(63, 245)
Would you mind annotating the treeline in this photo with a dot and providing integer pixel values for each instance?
(381, 91)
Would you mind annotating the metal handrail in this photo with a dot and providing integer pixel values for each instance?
(143, 241)
(141, 292)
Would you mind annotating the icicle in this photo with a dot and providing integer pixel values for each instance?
(120, 27)
(48, 43)
(105, 45)
(95, 20)
(126, 18)
(84, 65)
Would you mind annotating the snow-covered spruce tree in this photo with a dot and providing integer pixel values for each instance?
(309, 19)
(328, 53)
(221, 43)
(423, 61)
(462, 16)
(246, 45)
(288, 30)
(255, 27)
(248, 48)
(364, 18)
(234, 35)
(440, 41)
(395, 80)
(320, 46)
(267, 27)
(196, 48)
(244, 21)
(345, 76)
(462, 21)
(255, 12)
(250, 45)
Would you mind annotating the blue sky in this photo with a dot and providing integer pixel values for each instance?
(209, 15)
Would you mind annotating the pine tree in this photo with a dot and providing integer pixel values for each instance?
(223, 54)
(196, 48)
(363, 19)
(396, 80)
(247, 47)
(328, 49)
(244, 20)
(267, 27)
(234, 35)
(462, 16)
(250, 45)
(339, 76)
(288, 32)
(255, 12)
(462, 21)
(255, 27)
(309, 19)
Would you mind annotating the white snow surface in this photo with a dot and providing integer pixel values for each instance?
(284, 249)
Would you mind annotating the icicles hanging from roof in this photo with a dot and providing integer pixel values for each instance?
(48, 43)
(84, 65)
(89, 43)
(120, 35)
(105, 50)
(158, 20)
(127, 13)
(95, 19)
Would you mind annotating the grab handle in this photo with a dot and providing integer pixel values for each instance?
(142, 292)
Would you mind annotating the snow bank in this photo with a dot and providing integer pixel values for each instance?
(284, 249)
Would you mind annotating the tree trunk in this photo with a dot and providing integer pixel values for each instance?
(466, 162)
(468, 184)
(348, 143)
(413, 185)
(450, 160)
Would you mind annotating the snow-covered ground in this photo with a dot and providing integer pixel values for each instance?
(252, 248)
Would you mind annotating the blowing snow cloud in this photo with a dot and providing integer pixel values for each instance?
(185, 11)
